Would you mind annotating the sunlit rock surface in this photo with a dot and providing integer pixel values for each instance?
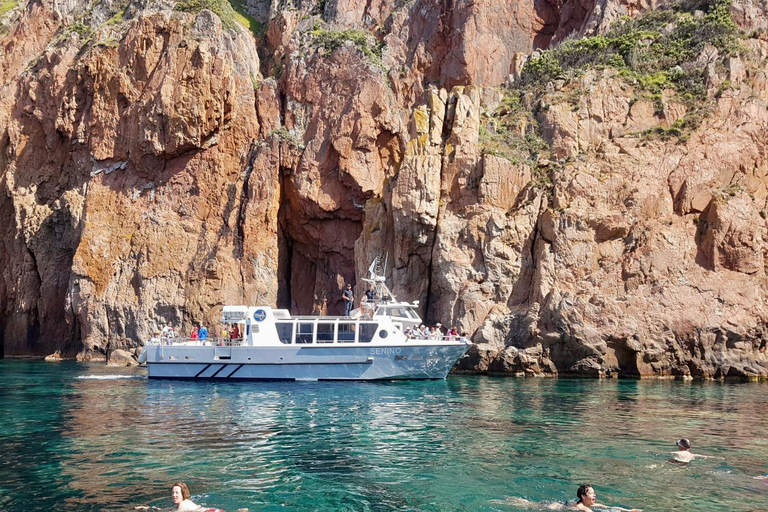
(157, 164)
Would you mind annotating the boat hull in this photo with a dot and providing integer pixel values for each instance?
(428, 361)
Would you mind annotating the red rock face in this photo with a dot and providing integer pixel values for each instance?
(151, 173)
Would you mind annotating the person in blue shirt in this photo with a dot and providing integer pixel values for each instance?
(202, 333)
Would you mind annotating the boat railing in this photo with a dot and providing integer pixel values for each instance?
(197, 342)
(417, 337)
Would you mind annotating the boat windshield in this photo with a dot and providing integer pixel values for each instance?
(397, 311)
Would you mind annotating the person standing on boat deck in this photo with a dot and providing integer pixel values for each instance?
(370, 293)
(195, 333)
(235, 333)
(167, 332)
(349, 299)
(203, 333)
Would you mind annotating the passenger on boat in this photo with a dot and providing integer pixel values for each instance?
(684, 455)
(195, 333)
(167, 333)
(235, 333)
(348, 296)
(203, 333)
(452, 332)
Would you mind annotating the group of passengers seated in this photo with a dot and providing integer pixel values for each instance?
(230, 334)
(431, 333)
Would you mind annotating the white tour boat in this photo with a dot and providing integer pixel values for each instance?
(370, 344)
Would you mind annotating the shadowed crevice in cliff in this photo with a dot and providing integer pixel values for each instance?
(243, 202)
(37, 323)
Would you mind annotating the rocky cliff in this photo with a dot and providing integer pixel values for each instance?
(598, 208)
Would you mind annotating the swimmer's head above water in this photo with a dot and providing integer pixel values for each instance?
(683, 444)
(179, 492)
(586, 495)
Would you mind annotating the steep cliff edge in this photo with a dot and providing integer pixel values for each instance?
(160, 159)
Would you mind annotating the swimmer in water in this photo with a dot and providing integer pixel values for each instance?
(585, 495)
(180, 496)
(587, 498)
(683, 455)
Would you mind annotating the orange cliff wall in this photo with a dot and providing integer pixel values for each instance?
(164, 163)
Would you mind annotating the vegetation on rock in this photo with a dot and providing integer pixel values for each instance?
(331, 40)
(511, 131)
(233, 14)
(658, 48)
(7, 5)
(657, 51)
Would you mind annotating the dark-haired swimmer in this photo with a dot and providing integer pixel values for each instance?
(587, 498)
(683, 455)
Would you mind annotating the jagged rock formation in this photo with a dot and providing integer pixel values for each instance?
(158, 160)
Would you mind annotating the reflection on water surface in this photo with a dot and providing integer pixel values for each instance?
(87, 437)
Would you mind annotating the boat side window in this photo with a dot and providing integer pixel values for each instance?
(284, 332)
(367, 332)
(325, 332)
(346, 333)
(304, 335)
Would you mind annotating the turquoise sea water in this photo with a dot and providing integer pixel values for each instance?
(85, 437)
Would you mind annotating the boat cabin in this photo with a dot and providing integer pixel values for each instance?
(267, 326)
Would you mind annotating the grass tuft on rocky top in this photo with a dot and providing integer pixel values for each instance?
(233, 14)
(331, 40)
(511, 131)
(657, 49)
(6, 6)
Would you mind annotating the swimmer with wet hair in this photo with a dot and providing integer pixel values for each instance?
(585, 495)
(683, 455)
(587, 498)
(182, 503)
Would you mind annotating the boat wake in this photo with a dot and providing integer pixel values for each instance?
(111, 377)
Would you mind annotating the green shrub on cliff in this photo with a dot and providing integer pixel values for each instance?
(330, 40)
(233, 14)
(7, 5)
(657, 51)
(658, 48)
(511, 131)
